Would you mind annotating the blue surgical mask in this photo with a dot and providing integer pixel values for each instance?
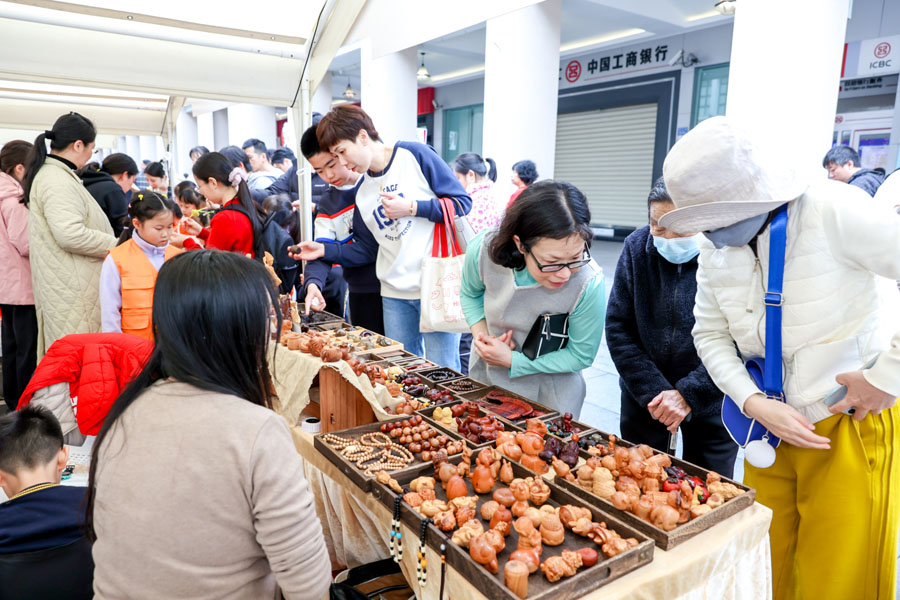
(677, 250)
(737, 235)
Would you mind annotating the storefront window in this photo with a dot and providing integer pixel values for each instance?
(710, 92)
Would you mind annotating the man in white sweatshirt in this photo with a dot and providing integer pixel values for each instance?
(835, 481)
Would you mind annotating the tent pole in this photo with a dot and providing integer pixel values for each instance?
(300, 118)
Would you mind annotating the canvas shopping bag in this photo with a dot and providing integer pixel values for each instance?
(440, 308)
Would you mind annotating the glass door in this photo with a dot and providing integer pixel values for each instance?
(463, 130)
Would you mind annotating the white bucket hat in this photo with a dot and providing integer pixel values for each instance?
(717, 175)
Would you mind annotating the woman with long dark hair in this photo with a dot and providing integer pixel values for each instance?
(196, 489)
(19, 331)
(237, 227)
(69, 233)
(529, 282)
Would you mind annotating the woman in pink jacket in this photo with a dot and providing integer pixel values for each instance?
(19, 330)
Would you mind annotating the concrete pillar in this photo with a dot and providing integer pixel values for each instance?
(776, 88)
(220, 130)
(206, 131)
(321, 101)
(521, 87)
(247, 121)
(133, 149)
(149, 150)
(390, 93)
(185, 139)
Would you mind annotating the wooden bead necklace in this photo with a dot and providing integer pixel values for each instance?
(422, 565)
(374, 446)
(396, 535)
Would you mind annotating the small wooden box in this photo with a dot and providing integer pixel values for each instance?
(341, 406)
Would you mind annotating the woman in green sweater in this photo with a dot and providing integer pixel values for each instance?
(535, 273)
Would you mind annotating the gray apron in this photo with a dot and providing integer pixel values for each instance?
(508, 306)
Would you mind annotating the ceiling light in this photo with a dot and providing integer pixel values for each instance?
(422, 73)
(726, 7)
(706, 15)
(458, 74)
(349, 93)
(601, 39)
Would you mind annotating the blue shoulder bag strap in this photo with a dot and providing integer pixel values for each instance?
(774, 299)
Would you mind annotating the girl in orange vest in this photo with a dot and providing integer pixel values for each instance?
(129, 271)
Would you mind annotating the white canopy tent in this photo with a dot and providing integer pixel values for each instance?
(130, 66)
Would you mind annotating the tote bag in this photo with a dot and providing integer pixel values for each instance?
(440, 307)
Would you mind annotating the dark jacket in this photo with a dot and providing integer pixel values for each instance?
(360, 278)
(288, 184)
(648, 328)
(109, 196)
(867, 179)
(42, 519)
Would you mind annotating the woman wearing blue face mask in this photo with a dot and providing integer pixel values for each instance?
(648, 330)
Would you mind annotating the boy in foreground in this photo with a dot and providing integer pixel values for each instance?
(40, 513)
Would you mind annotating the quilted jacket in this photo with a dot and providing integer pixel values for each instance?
(70, 236)
(97, 367)
(838, 314)
(15, 272)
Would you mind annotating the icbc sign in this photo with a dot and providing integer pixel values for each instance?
(573, 71)
(877, 57)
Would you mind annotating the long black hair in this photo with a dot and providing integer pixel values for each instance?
(145, 205)
(470, 161)
(214, 165)
(211, 327)
(67, 130)
(546, 209)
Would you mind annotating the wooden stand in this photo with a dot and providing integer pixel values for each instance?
(341, 406)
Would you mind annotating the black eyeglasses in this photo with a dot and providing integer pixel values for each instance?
(560, 266)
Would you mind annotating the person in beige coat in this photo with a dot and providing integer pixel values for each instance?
(70, 235)
(196, 489)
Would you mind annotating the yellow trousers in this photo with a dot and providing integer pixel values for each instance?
(836, 512)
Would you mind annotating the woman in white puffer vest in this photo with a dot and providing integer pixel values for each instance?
(835, 481)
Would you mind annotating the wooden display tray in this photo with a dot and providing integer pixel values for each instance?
(446, 385)
(428, 412)
(327, 316)
(478, 395)
(402, 363)
(424, 374)
(383, 354)
(356, 475)
(585, 580)
(667, 540)
(352, 330)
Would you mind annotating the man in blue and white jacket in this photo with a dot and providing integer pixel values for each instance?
(334, 225)
(397, 201)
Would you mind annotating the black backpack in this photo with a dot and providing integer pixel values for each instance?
(275, 240)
